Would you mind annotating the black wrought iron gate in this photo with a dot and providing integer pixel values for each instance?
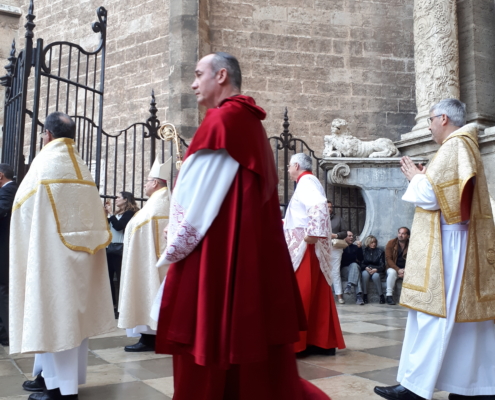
(66, 78)
(71, 79)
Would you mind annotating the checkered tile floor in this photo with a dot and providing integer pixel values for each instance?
(373, 334)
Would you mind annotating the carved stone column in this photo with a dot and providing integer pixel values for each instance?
(188, 38)
(436, 55)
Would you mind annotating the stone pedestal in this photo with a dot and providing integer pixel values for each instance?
(382, 185)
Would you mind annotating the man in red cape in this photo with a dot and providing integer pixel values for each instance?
(231, 309)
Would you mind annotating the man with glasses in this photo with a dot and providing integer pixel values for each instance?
(307, 231)
(449, 281)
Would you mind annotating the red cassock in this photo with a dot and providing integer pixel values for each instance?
(231, 310)
(319, 305)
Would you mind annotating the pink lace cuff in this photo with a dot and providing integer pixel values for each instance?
(183, 237)
(319, 221)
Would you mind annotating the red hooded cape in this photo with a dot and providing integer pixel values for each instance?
(235, 294)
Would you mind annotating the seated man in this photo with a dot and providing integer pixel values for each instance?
(338, 232)
(395, 260)
(350, 269)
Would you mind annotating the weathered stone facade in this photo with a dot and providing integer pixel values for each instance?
(322, 59)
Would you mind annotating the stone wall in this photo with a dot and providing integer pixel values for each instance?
(323, 59)
(9, 25)
(137, 50)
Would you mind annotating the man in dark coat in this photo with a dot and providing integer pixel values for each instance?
(8, 188)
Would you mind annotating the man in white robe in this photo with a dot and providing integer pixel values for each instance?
(307, 230)
(58, 274)
(449, 342)
(143, 245)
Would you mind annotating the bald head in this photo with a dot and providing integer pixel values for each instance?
(218, 76)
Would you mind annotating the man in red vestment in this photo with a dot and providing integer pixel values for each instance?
(308, 233)
(230, 310)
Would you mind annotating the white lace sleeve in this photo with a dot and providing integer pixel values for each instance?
(319, 221)
(421, 194)
(203, 183)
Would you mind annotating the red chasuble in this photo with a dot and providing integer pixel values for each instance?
(231, 310)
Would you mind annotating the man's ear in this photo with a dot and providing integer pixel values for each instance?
(222, 76)
(50, 136)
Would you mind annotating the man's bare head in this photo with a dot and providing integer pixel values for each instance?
(218, 76)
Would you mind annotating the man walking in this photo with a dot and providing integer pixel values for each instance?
(230, 310)
(58, 271)
(449, 280)
(143, 245)
(308, 231)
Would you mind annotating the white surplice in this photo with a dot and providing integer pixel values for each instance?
(437, 352)
(203, 182)
(307, 215)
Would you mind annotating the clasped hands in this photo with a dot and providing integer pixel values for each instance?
(409, 169)
(370, 270)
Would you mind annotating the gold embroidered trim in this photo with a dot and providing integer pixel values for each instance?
(430, 251)
(145, 222)
(157, 239)
(70, 148)
(68, 245)
(24, 199)
(48, 182)
(421, 310)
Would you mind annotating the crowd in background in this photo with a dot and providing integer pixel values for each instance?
(358, 264)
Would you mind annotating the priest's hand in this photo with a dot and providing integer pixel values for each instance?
(165, 232)
(334, 236)
(409, 169)
(311, 239)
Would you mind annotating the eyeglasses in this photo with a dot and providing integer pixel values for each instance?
(430, 119)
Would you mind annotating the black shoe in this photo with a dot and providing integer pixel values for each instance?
(116, 313)
(324, 352)
(382, 299)
(397, 392)
(138, 347)
(365, 298)
(38, 385)
(303, 354)
(53, 394)
(453, 396)
(390, 301)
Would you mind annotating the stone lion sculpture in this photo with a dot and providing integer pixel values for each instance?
(340, 143)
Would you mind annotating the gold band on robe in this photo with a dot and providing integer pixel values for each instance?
(456, 162)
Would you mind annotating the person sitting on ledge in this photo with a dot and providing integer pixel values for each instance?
(373, 266)
(395, 257)
(352, 256)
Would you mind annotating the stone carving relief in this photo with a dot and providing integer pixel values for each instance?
(340, 143)
(436, 54)
(339, 173)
